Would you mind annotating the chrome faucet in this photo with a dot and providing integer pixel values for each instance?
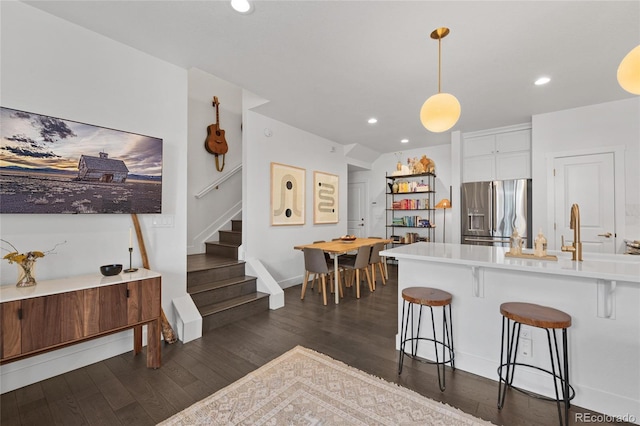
(576, 247)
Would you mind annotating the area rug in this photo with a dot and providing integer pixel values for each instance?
(304, 387)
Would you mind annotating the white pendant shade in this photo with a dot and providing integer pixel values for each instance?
(629, 72)
(440, 112)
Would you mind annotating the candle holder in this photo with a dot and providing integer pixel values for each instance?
(130, 268)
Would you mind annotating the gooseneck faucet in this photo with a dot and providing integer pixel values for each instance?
(576, 247)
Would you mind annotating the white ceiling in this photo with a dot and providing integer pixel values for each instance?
(327, 66)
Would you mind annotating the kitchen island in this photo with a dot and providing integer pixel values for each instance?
(601, 293)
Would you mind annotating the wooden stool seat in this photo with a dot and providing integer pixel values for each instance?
(426, 296)
(535, 315)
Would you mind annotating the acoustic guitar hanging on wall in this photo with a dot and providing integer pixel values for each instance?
(215, 143)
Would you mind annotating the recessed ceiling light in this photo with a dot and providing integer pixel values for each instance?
(372, 120)
(404, 141)
(542, 80)
(241, 6)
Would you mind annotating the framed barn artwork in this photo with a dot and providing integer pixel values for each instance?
(325, 198)
(54, 165)
(287, 195)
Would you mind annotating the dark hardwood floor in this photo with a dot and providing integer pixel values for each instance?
(361, 333)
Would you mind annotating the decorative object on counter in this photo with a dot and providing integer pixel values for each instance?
(131, 269)
(515, 243)
(444, 204)
(633, 247)
(110, 270)
(167, 332)
(540, 245)
(441, 111)
(629, 71)
(26, 263)
(531, 256)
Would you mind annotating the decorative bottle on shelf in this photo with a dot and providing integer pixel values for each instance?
(394, 187)
(540, 245)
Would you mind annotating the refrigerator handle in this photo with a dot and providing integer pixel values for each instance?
(492, 208)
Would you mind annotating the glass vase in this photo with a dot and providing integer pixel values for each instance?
(26, 273)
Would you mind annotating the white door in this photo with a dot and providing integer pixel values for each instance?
(356, 211)
(586, 180)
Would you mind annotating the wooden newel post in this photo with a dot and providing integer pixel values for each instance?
(167, 332)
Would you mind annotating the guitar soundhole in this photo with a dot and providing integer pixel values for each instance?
(217, 132)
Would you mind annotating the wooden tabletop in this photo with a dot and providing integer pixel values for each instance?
(339, 247)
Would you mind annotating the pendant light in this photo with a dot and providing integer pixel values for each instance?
(629, 71)
(441, 111)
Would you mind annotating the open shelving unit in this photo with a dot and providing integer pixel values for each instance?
(410, 208)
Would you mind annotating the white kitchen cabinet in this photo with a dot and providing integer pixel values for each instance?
(499, 155)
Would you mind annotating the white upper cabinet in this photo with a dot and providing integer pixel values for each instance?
(496, 155)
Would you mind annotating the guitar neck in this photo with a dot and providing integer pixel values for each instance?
(216, 105)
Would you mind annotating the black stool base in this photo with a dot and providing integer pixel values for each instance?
(446, 344)
(559, 371)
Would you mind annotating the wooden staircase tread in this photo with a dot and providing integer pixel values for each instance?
(230, 231)
(205, 261)
(199, 288)
(231, 303)
(221, 243)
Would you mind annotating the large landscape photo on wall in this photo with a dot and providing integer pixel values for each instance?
(53, 165)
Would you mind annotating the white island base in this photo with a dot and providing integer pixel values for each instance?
(602, 296)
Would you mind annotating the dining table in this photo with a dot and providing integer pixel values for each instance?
(338, 247)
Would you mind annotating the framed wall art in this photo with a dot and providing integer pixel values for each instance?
(54, 165)
(287, 195)
(325, 198)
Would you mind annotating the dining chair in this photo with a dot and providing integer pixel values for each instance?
(315, 263)
(330, 264)
(356, 264)
(384, 263)
(376, 260)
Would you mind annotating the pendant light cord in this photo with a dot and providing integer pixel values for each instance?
(439, 61)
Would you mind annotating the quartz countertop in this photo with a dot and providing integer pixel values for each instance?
(10, 292)
(599, 266)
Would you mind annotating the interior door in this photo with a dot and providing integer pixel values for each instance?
(357, 209)
(587, 180)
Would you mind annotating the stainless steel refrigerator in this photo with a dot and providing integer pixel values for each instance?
(492, 210)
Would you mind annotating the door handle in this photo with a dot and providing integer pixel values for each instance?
(362, 224)
(607, 235)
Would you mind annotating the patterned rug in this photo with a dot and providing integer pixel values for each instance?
(303, 387)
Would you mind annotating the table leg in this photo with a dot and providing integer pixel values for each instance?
(337, 278)
(137, 339)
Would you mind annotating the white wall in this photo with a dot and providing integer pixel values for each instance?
(203, 213)
(273, 245)
(52, 67)
(602, 126)
(385, 165)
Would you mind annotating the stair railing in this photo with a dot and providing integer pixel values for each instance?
(214, 185)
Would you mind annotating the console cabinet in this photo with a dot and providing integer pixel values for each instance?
(38, 324)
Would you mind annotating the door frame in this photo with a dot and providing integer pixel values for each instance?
(618, 182)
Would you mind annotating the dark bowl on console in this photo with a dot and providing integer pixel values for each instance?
(108, 270)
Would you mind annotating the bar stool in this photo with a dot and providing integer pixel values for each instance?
(425, 296)
(514, 314)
